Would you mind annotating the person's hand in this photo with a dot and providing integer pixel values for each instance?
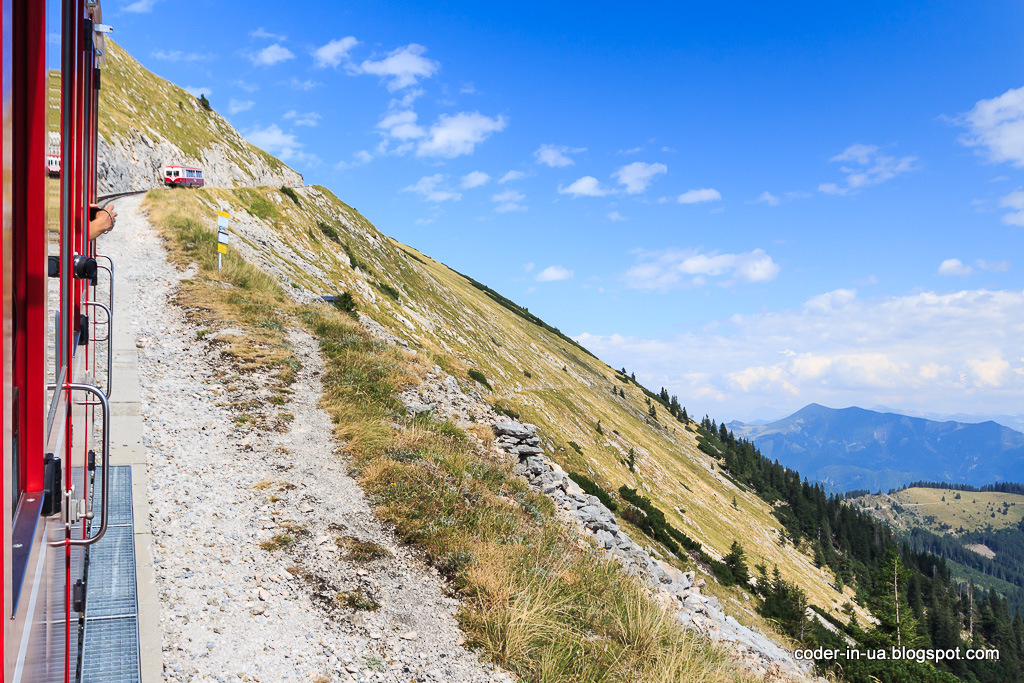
(103, 222)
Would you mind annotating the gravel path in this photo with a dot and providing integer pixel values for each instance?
(231, 610)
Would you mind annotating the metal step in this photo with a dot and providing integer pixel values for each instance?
(110, 637)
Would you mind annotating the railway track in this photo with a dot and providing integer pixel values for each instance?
(117, 195)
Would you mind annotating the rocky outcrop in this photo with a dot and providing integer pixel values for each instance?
(440, 394)
(134, 163)
(672, 587)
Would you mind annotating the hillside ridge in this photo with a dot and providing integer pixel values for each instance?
(147, 122)
(856, 448)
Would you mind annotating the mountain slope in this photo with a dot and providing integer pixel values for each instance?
(674, 480)
(147, 122)
(853, 448)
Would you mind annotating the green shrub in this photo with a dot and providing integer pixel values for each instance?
(330, 233)
(291, 194)
(594, 489)
(386, 289)
(503, 409)
(642, 513)
(576, 447)
(353, 261)
(344, 302)
(479, 377)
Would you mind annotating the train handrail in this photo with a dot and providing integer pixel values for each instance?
(105, 497)
(110, 273)
(110, 345)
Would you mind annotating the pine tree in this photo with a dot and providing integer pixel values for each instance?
(897, 624)
(205, 103)
(652, 412)
(631, 459)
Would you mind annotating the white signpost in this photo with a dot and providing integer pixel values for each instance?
(222, 235)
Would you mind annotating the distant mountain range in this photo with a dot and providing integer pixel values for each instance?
(854, 448)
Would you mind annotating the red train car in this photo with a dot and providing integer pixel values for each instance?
(54, 403)
(183, 176)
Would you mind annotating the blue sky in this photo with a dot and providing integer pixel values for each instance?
(755, 207)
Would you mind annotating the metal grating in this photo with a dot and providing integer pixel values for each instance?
(111, 583)
(110, 638)
(111, 650)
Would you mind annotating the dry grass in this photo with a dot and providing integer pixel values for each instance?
(357, 550)
(277, 542)
(483, 432)
(245, 304)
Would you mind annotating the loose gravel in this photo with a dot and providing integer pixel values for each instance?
(232, 610)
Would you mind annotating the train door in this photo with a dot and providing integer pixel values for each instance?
(47, 394)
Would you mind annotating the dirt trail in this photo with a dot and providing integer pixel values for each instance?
(232, 610)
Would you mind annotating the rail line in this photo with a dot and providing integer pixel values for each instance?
(117, 195)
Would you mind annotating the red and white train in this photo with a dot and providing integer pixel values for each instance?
(183, 176)
(54, 405)
(53, 165)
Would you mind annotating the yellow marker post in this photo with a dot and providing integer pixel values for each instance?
(222, 235)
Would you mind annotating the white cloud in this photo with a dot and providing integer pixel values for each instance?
(334, 52)
(358, 159)
(587, 186)
(179, 56)
(556, 156)
(429, 187)
(637, 176)
(1014, 200)
(954, 266)
(310, 119)
(858, 153)
(863, 166)
(956, 352)
(830, 301)
(509, 200)
(197, 90)
(768, 198)
(677, 268)
(993, 266)
(475, 179)
(141, 6)
(401, 125)
(404, 67)
(707, 194)
(997, 125)
(238, 106)
(528, 267)
(553, 274)
(263, 33)
(453, 136)
(615, 216)
(271, 55)
(510, 176)
(296, 84)
(283, 145)
(247, 87)
(634, 150)
(832, 188)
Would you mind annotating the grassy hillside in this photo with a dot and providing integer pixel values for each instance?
(318, 245)
(944, 510)
(979, 533)
(134, 100)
